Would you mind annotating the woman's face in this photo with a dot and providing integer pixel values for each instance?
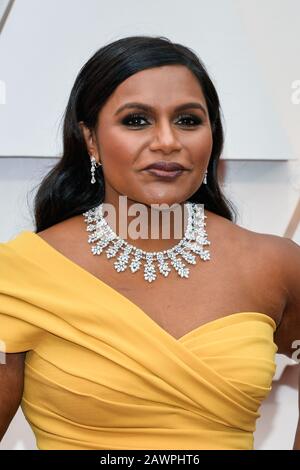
(126, 144)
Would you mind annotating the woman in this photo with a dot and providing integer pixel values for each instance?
(171, 353)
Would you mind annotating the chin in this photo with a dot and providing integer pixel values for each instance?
(167, 201)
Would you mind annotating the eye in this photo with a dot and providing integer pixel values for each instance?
(133, 117)
(130, 118)
(191, 117)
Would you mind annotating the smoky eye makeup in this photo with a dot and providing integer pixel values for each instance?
(135, 119)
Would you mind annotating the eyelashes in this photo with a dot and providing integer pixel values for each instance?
(137, 116)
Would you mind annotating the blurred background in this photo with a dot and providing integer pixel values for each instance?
(251, 50)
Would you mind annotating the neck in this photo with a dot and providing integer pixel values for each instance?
(145, 227)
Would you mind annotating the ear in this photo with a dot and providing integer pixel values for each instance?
(90, 140)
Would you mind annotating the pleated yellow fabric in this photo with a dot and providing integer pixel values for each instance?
(101, 374)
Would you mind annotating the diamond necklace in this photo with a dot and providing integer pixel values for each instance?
(190, 245)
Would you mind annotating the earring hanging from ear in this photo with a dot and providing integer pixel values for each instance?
(94, 165)
(205, 178)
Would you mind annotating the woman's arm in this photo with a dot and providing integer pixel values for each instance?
(287, 335)
(297, 436)
(11, 388)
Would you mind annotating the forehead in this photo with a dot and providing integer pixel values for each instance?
(161, 87)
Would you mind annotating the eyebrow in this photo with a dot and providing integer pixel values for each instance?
(146, 107)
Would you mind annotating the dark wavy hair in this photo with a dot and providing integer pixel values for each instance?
(66, 191)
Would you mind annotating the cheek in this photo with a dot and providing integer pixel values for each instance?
(118, 149)
(201, 148)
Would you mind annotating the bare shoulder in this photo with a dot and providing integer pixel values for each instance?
(268, 262)
(283, 255)
(287, 334)
(277, 258)
(62, 233)
(261, 244)
(278, 255)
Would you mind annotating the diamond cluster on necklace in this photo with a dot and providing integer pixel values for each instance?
(103, 238)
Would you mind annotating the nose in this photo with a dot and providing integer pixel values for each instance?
(165, 139)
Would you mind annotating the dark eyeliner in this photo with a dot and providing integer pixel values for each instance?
(132, 116)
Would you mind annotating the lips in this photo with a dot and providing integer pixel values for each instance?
(166, 175)
(165, 166)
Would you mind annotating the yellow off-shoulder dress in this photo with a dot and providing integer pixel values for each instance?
(101, 374)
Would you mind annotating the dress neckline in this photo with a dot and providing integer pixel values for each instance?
(204, 326)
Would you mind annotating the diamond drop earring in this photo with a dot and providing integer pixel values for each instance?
(205, 178)
(94, 165)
